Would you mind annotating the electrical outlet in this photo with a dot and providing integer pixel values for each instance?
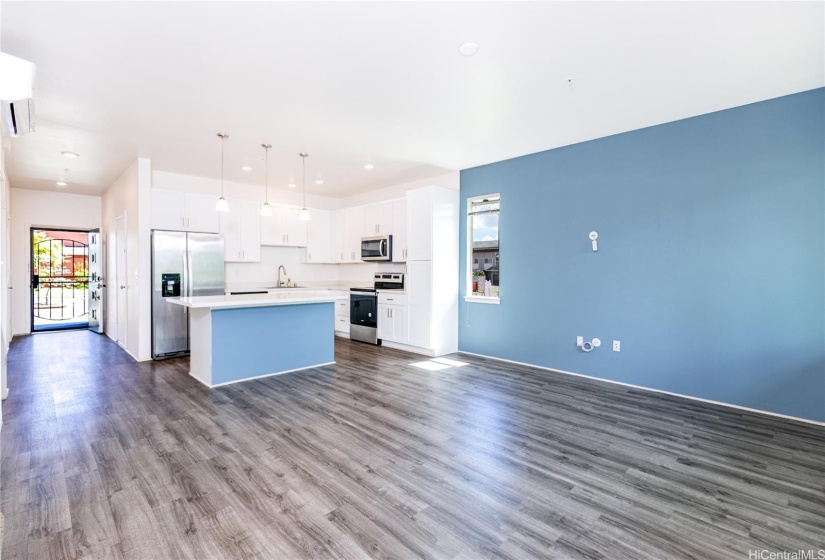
(617, 345)
(579, 340)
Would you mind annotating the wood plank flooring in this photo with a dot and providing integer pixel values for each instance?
(103, 457)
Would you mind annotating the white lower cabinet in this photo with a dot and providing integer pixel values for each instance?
(392, 317)
(392, 323)
(419, 325)
(342, 314)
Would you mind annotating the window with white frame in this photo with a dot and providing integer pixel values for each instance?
(483, 247)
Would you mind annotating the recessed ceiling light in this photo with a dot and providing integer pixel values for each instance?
(71, 154)
(291, 185)
(61, 184)
(319, 181)
(369, 166)
(246, 168)
(468, 49)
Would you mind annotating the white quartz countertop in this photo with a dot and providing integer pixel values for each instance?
(258, 300)
(239, 290)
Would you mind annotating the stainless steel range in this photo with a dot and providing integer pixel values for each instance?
(363, 306)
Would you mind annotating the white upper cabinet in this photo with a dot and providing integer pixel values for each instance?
(201, 214)
(319, 242)
(182, 211)
(399, 230)
(241, 229)
(353, 232)
(339, 234)
(420, 225)
(294, 228)
(283, 228)
(167, 209)
(378, 219)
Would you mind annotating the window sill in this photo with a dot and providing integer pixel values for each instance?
(483, 299)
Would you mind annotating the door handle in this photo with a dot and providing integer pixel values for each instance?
(123, 287)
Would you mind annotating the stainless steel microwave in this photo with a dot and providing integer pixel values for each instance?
(378, 248)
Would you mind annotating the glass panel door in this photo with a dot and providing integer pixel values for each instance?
(60, 279)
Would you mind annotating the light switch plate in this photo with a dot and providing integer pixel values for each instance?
(617, 345)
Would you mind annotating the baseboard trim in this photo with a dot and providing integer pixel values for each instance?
(408, 348)
(257, 376)
(688, 397)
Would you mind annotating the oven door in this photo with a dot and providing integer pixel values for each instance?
(363, 310)
(376, 248)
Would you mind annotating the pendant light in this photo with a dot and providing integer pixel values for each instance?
(304, 215)
(266, 209)
(222, 205)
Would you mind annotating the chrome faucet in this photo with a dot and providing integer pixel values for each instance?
(279, 274)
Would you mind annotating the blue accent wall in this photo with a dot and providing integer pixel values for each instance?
(254, 341)
(711, 260)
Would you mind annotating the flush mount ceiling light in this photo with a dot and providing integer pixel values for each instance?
(468, 49)
(266, 209)
(222, 205)
(72, 155)
(62, 181)
(246, 168)
(291, 185)
(319, 181)
(369, 166)
(304, 215)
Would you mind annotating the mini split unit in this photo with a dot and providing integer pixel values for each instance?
(17, 95)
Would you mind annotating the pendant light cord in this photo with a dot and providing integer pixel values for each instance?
(304, 167)
(266, 176)
(222, 145)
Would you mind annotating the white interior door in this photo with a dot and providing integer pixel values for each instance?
(122, 280)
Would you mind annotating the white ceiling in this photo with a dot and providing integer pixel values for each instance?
(380, 81)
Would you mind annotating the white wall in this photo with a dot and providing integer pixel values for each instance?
(129, 195)
(30, 208)
(5, 277)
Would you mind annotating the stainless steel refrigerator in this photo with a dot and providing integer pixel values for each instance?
(183, 264)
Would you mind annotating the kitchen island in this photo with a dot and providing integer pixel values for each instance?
(240, 337)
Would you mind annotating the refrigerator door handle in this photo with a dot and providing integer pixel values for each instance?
(187, 274)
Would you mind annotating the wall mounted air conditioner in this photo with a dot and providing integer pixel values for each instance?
(17, 94)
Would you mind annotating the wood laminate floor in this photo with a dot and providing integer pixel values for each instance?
(103, 457)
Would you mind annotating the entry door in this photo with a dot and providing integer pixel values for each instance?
(121, 278)
(96, 285)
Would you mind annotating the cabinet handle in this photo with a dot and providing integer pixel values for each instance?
(353, 255)
(342, 256)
